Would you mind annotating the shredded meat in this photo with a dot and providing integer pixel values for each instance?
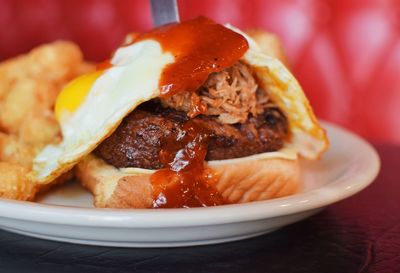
(230, 95)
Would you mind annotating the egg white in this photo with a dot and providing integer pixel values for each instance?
(131, 80)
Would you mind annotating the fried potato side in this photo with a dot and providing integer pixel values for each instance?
(23, 97)
(49, 133)
(14, 182)
(29, 85)
(16, 152)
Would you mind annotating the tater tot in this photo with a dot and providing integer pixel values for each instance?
(4, 86)
(14, 182)
(14, 151)
(21, 99)
(15, 68)
(49, 132)
(83, 68)
(54, 62)
(29, 86)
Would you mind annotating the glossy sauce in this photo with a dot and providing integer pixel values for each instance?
(200, 47)
(187, 182)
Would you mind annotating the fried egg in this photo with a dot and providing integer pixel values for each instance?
(92, 106)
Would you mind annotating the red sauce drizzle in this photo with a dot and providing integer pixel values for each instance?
(187, 182)
(200, 47)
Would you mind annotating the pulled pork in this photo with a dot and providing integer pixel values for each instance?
(230, 95)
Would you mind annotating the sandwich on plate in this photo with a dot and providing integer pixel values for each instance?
(189, 114)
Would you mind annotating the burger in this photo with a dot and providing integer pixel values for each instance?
(189, 114)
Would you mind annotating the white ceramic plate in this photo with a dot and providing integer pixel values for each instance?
(66, 213)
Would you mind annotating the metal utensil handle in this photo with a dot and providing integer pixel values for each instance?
(164, 11)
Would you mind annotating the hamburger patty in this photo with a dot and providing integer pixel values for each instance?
(137, 142)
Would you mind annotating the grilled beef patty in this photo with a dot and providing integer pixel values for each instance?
(137, 142)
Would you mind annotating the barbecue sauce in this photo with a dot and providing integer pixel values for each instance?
(186, 182)
(200, 47)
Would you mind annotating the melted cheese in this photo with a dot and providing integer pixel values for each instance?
(285, 153)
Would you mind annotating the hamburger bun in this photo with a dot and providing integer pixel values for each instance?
(239, 180)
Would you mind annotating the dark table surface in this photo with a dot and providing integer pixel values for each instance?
(360, 234)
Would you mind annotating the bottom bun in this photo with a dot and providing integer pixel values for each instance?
(239, 182)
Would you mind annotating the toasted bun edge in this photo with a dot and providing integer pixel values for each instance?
(241, 182)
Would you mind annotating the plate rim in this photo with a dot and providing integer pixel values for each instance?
(166, 218)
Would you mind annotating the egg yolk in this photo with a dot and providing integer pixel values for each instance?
(74, 93)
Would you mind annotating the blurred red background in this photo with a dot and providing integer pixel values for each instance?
(346, 54)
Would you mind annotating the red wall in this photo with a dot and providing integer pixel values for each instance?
(346, 54)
